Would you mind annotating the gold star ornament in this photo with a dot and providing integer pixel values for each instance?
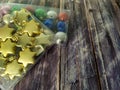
(24, 40)
(2, 61)
(7, 47)
(38, 49)
(26, 57)
(43, 39)
(32, 27)
(7, 18)
(5, 32)
(20, 17)
(13, 69)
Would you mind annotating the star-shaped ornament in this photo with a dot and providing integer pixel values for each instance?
(24, 40)
(43, 39)
(22, 16)
(32, 28)
(26, 57)
(5, 32)
(7, 47)
(13, 69)
(2, 61)
(7, 18)
(38, 49)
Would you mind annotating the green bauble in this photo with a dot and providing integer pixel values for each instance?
(15, 8)
(40, 14)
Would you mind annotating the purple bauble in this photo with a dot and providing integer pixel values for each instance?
(4, 9)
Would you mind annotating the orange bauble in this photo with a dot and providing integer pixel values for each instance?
(63, 16)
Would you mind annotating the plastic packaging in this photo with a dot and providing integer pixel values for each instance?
(54, 18)
(25, 32)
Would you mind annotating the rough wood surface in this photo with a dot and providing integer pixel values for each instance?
(91, 58)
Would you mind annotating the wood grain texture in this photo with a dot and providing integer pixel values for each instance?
(91, 58)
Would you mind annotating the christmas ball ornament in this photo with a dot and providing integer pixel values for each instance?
(4, 9)
(40, 13)
(15, 8)
(30, 9)
(61, 26)
(63, 16)
(60, 37)
(51, 14)
(49, 23)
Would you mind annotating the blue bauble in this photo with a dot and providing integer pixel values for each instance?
(61, 26)
(49, 23)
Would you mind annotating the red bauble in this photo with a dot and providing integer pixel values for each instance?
(63, 16)
(30, 9)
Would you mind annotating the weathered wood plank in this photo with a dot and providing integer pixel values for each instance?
(112, 63)
(93, 17)
(106, 41)
(77, 65)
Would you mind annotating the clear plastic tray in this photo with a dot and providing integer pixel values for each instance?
(11, 16)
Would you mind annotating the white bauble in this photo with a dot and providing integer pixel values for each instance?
(60, 37)
(52, 14)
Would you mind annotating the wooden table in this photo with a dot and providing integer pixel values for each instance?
(91, 58)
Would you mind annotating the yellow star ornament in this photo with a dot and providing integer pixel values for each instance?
(13, 69)
(38, 49)
(21, 16)
(5, 32)
(7, 47)
(43, 39)
(2, 61)
(26, 57)
(31, 28)
(25, 40)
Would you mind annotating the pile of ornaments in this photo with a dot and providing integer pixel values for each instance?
(24, 35)
(56, 22)
(22, 38)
